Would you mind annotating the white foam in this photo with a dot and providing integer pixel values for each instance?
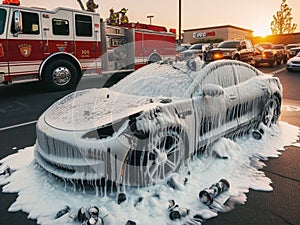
(42, 196)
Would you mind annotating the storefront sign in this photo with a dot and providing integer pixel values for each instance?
(203, 34)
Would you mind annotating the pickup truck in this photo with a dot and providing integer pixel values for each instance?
(275, 55)
(242, 50)
(281, 50)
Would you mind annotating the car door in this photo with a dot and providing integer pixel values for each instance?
(246, 51)
(24, 43)
(216, 114)
(253, 94)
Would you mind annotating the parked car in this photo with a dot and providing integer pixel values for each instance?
(282, 51)
(288, 47)
(264, 56)
(141, 130)
(233, 49)
(293, 63)
(181, 48)
(294, 52)
(277, 53)
(196, 50)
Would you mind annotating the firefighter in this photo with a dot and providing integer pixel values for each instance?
(91, 6)
(113, 18)
(124, 18)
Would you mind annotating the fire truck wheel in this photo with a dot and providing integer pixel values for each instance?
(60, 75)
(154, 58)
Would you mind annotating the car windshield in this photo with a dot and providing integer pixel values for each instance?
(278, 47)
(298, 54)
(229, 44)
(196, 47)
(156, 80)
(182, 47)
(266, 46)
(259, 48)
(2, 20)
(291, 46)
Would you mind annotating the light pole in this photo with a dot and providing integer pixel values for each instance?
(150, 17)
(179, 30)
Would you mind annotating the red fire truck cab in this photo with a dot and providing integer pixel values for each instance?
(58, 46)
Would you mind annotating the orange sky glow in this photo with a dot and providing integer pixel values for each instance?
(255, 14)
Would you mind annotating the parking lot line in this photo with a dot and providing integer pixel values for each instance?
(18, 125)
(278, 71)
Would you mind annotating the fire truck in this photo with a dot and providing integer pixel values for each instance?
(58, 46)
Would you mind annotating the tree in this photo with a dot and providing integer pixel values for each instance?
(282, 21)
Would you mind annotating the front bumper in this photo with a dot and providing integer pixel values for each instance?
(293, 66)
(68, 155)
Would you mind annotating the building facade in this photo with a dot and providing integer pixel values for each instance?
(217, 34)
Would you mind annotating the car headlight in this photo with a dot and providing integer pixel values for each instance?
(218, 56)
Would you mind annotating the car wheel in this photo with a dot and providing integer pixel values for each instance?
(285, 60)
(279, 62)
(236, 57)
(271, 112)
(60, 75)
(156, 159)
(272, 63)
(154, 58)
(288, 69)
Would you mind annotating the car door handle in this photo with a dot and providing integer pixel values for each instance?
(232, 96)
(264, 87)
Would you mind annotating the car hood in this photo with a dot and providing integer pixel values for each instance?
(94, 108)
(223, 49)
(295, 59)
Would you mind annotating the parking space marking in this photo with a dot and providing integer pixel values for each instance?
(18, 125)
(278, 71)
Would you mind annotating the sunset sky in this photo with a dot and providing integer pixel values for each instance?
(255, 14)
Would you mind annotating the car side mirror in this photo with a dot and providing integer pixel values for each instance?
(212, 90)
(17, 23)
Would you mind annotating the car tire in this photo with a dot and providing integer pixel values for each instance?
(272, 63)
(279, 62)
(60, 75)
(271, 112)
(155, 160)
(236, 57)
(154, 58)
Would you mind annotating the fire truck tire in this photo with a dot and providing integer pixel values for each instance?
(60, 75)
(154, 58)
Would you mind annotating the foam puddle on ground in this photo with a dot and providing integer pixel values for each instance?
(42, 195)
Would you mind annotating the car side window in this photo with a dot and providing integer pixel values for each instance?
(244, 73)
(60, 27)
(29, 23)
(249, 44)
(83, 25)
(223, 76)
(243, 45)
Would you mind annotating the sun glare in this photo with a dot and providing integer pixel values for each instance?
(261, 31)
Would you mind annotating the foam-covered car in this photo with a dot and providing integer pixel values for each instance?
(143, 129)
